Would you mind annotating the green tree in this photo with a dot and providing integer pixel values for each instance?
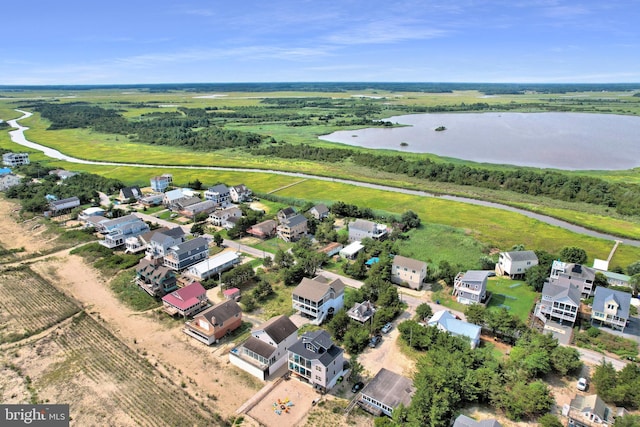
(549, 420)
(475, 313)
(339, 324)
(356, 339)
(410, 219)
(605, 380)
(536, 276)
(218, 239)
(283, 259)
(566, 360)
(447, 272)
(600, 280)
(356, 369)
(628, 420)
(573, 254)
(424, 312)
(633, 269)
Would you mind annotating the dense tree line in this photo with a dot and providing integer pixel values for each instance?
(624, 197)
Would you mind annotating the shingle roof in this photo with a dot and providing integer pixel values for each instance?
(622, 299)
(279, 328)
(363, 224)
(220, 313)
(473, 276)
(64, 201)
(198, 243)
(296, 220)
(220, 188)
(390, 389)
(559, 291)
(315, 289)
(259, 347)
(410, 263)
(522, 255)
(464, 421)
(326, 352)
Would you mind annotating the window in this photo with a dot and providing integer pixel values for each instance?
(318, 368)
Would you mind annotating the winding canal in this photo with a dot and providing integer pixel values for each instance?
(17, 136)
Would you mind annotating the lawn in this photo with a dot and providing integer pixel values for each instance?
(515, 295)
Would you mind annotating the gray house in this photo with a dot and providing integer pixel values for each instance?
(575, 274)
(186, 254)
(611, 308)
(386, 391)
(471, 287)
(464, 421)
(559, 302)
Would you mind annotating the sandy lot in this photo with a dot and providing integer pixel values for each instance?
(299, 394)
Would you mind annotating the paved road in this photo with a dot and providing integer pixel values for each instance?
(594, 358)
(17, 136)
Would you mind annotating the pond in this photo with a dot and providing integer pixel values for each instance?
(571, 141)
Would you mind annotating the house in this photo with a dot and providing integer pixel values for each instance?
(409, 271)
(160, 183)
(218, 194)
(351, 250)
(316, 298)
(464, 421)
(186, 254)
(184, 203)
(266, 350)
(264, 229)
(94, 211)
(62, 174)
(471, 287)
(4, 171)
(385, 392)
(155, 279)
(361, 311)
(616, 279)
(283, 215)
(240, 193)
(127, 194)
(610, 308)
(362, 228)
(515, 264)
(163, 239)
(116, 231)
(319, 212)
(9, 180)
(214, 323)
(154, 199)
(173, 196)
(58, 207)
(213, 266)
(331, 249)
(220, 217)
(575, 274)
(590, 411)
(293, 228)
(314, 358)
(15, 159)
(559, 302)
(186, 301)
(447, 322)
(201, 207)
(231, 293)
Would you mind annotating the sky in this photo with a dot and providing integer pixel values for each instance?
(197, 41)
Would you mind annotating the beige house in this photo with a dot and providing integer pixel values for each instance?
(214, 323)
(409, 271)
(293, 228)
(318, 297)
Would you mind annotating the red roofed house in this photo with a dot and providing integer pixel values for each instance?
(232, 293)
(186, 301)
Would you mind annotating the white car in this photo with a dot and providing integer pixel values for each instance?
(582, 384)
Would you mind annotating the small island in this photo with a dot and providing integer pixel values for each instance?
(404, 144)
(440, 128)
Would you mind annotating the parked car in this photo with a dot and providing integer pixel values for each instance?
(386, 328)
(375, 341)
(357, 387)
(582, 384)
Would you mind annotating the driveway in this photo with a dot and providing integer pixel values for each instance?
(388, 355)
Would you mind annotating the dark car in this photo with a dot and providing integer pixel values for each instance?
(375, 341)
(357, 387)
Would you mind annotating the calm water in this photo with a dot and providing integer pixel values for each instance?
(545, 140)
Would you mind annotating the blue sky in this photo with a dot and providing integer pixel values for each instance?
(159, 41)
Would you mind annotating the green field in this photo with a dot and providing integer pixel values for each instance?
(514, 295)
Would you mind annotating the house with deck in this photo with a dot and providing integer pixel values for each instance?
(186, 254)
(362, 228)
(314, 358)
(154, 278)
(9, 180)
(611, 308)
(62, 206)
(385, 392)
(220, 217)
(211, 325)
(163, 239)
(560, 302)
(574, 274)
(266, 350)
(409, 271)
(161, 182)
(515, 263)
(471, 287)
(128, 194)
(118, 230)
(285, 214)
(186, 301)
(362, 311)
(240, 193)
(293, 228)
(199, 208)
(218, 194)
(317, 298)
(154, 199)
(15, 159)
(590, 411)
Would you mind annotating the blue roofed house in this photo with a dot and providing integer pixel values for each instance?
(314, 358)
(447, 322)
(471, 287)
(186, 254)
(610, 308)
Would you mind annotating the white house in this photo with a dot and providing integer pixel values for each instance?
(515, 264)
(9, 180)
(351, 250)
(239, 193)
(219, 194)
(266, 350)
(314, 358)
(611, 308)
(221, 217)
(213, 266)
(409, 271)
(15, 159)
(316, 298)
(362, 228)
